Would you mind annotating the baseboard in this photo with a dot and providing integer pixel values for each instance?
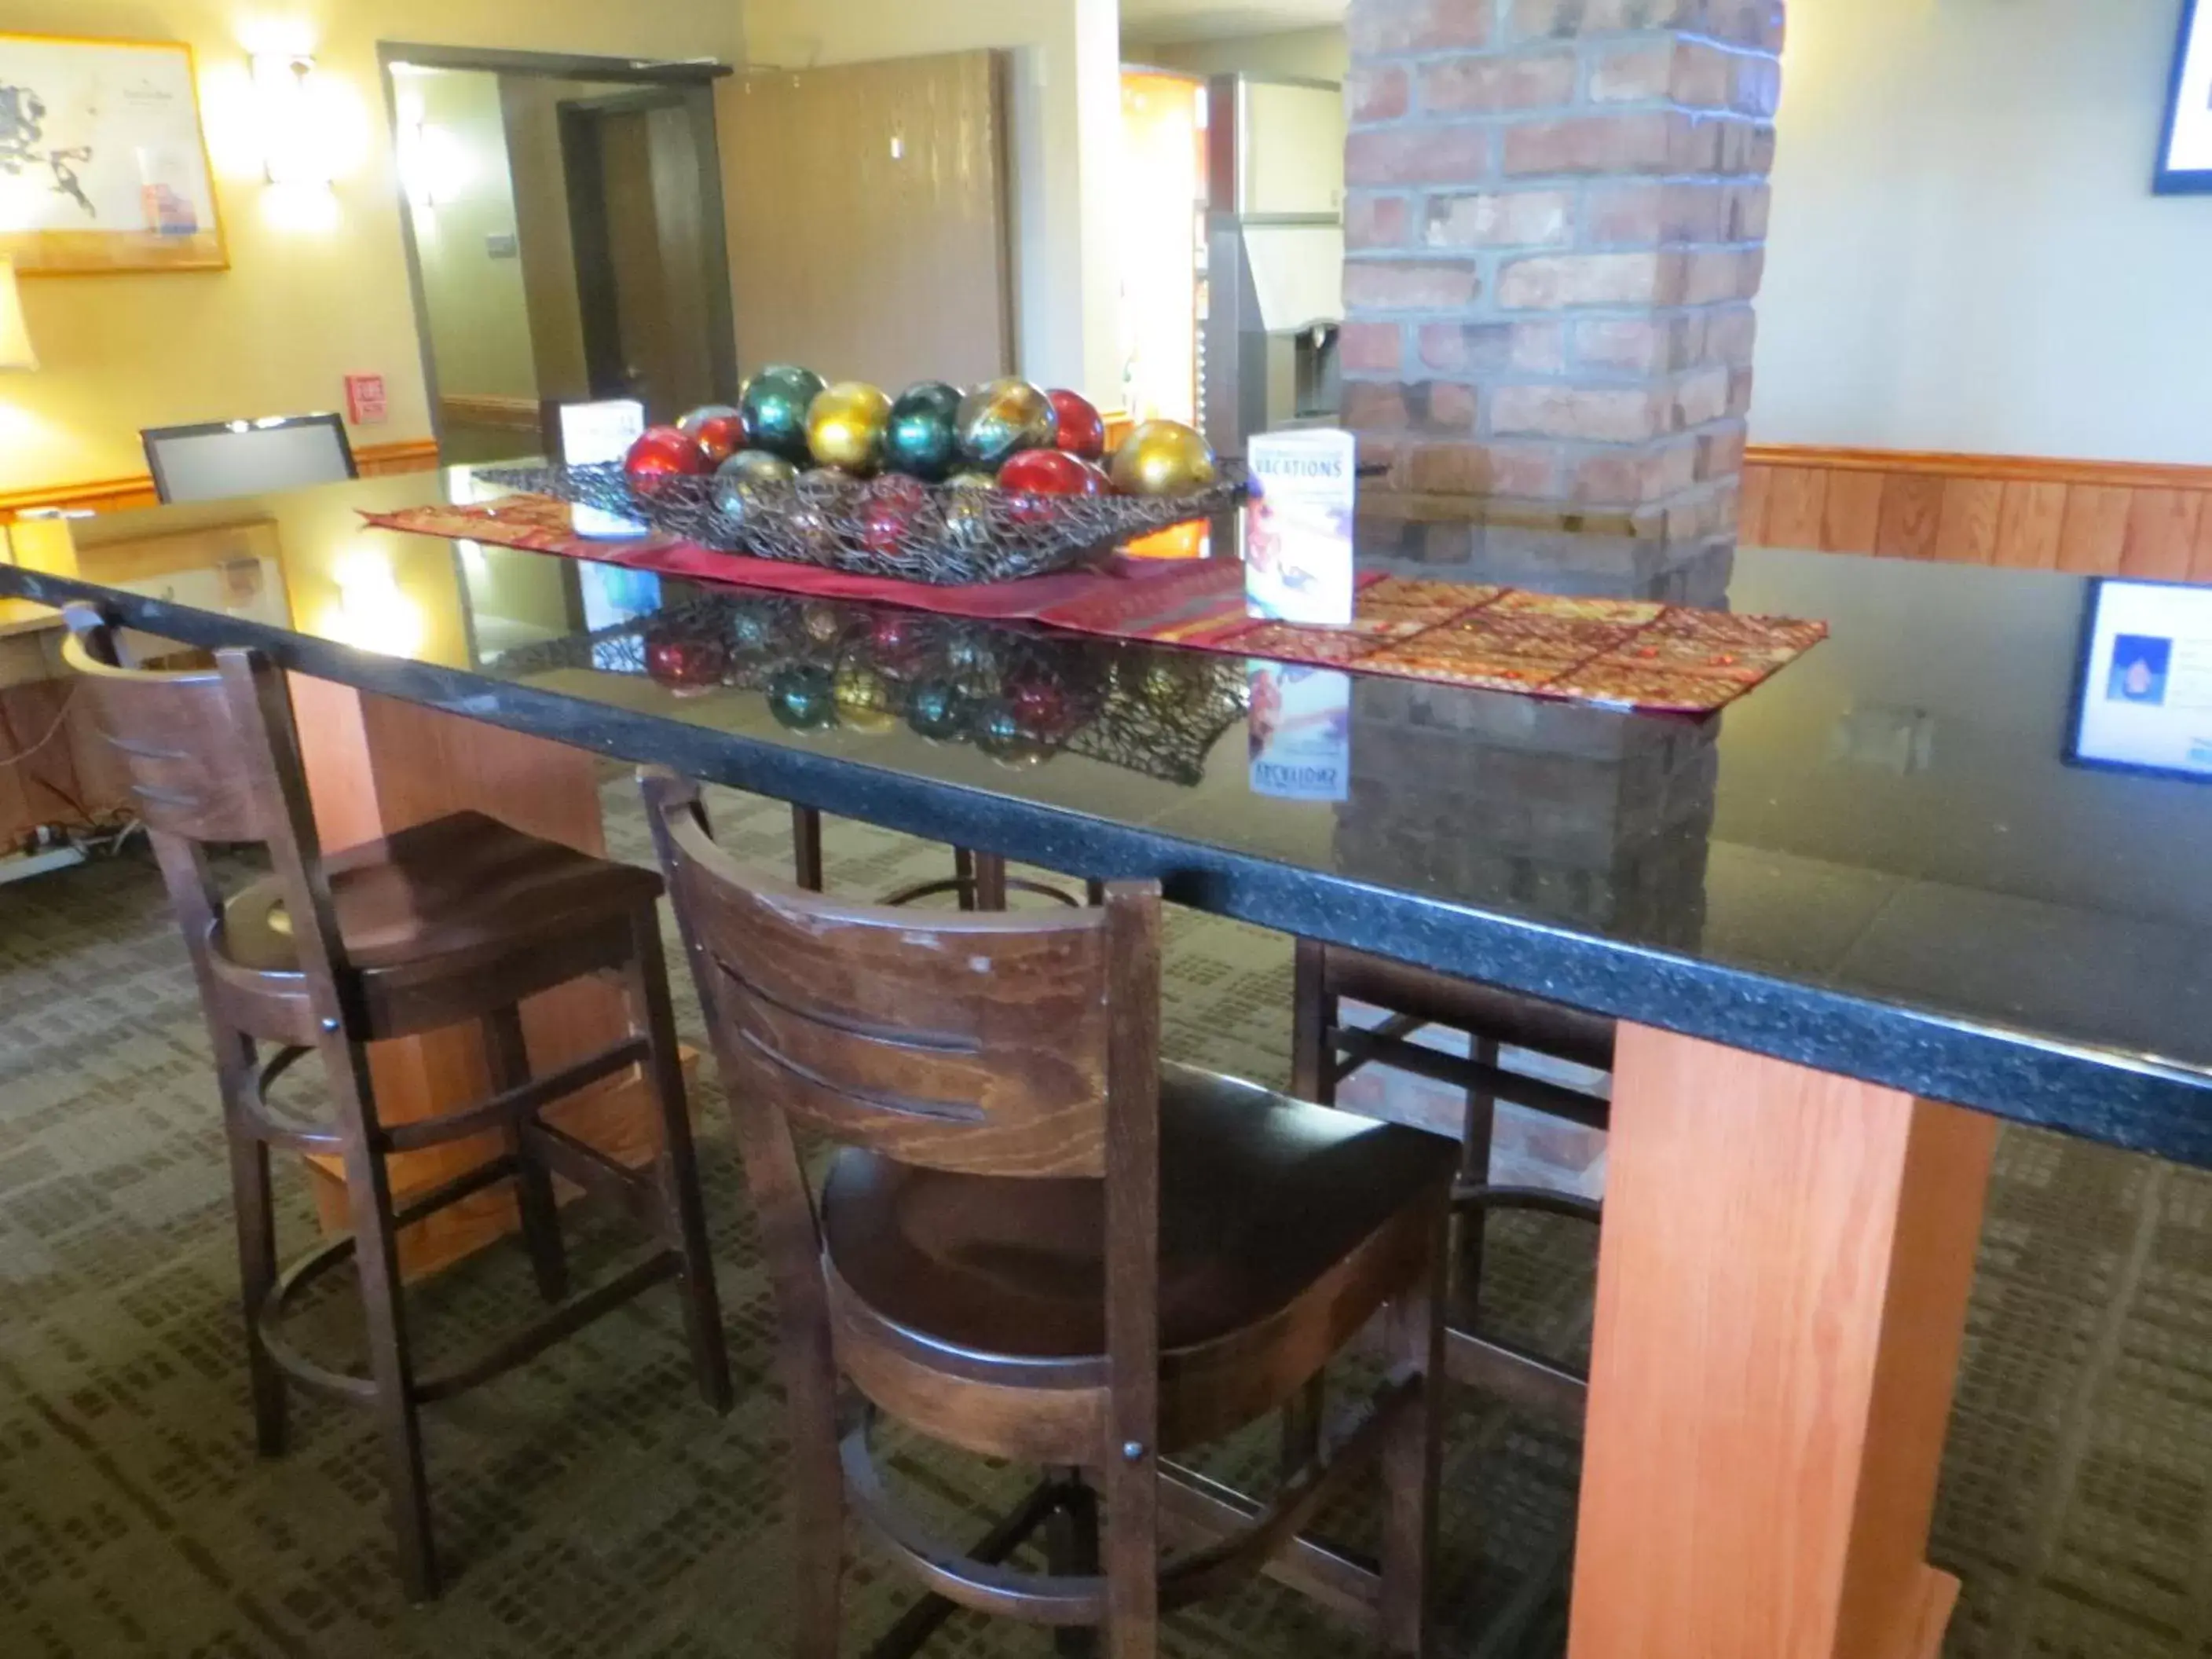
(124, 495)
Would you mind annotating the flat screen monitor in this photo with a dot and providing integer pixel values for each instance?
(248, 458)
(2142, 701)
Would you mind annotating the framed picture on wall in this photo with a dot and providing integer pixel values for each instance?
(2184, 158)
(102, 164)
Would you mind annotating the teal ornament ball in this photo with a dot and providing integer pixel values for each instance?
(803, 697)
(923, 440)
(775, 404)
(936, 709)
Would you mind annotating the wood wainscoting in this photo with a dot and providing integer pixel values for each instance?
(2092, 518)
(123, 495)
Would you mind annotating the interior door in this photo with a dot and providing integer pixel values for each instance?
(865, 208)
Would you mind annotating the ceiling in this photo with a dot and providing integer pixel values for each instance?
(1211, 20)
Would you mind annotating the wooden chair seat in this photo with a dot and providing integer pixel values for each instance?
(440, 922)
(1281, 1223)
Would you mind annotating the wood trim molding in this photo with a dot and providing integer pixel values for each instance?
(122, 494)
(509, 413)
(2005, 469)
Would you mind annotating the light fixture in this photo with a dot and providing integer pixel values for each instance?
(295, 145)
(15, 348)
(433, 163)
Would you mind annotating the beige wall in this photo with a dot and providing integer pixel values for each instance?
(1964, 252)
(1065, 118)
(474, 305)
(318, 285)
(1323, 54)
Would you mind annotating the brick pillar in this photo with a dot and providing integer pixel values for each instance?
(1556, 213)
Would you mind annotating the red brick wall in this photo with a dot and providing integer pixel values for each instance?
(1555, 218)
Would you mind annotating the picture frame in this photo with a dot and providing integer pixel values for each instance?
(103, 159)
(2184, 151)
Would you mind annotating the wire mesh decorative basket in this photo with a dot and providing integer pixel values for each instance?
(943, 534)
(1019, 696)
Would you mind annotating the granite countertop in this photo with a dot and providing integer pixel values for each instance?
(1880, 863)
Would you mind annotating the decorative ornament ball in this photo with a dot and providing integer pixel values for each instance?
(937, 710)
(864, 701)
(1082, 428)
(972, 478)
(661, 453)
(690, 664)
(1000, 418)
(846, 425)
(1169, 681)
(1000, 734)
(825, 625)
(809, 531)
(754, 630)
(802, 698)
(738, 477)
(1163, 458)
(889, 509)
(971, 651)
(968, 522)
(775, 406)
(720, 428)
(1042, 706)
(923, 437)
(1051, 472)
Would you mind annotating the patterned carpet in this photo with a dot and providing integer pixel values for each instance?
(590, 1506)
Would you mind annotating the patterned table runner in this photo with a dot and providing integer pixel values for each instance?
(1625, 653)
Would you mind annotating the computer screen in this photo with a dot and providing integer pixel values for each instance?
(2143, 700)
(247, 459)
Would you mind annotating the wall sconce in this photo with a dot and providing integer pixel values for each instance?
(16, 348)
(433, 163)
(294, 139)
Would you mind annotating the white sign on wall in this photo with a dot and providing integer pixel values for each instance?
(2186, 162)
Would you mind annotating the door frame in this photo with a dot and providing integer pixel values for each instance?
(690, 82)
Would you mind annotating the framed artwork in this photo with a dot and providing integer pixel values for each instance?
(2184, 156)
(102, 164)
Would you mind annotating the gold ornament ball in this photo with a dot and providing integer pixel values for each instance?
(846, 425)
(1163, 458)
(864, 702)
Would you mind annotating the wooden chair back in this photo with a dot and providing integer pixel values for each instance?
(1013, 1044)
(213, 756)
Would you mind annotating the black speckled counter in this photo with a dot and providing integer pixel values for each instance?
(1876, 865)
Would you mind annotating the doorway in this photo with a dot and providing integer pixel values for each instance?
(564, 233)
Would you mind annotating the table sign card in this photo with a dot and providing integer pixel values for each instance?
(593, 433)
(2145, 697)
(1298, 526)
(1301, 731)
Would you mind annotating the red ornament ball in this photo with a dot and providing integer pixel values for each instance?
(665, 452)
(1051, 472)
(1082, 427)
(686, 663)
(718, 428)
(888, 509)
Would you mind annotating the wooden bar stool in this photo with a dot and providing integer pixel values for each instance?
(1325, 1052)
(1038, 1244)
(455, 922)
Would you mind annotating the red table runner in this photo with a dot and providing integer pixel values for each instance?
(1632, 653)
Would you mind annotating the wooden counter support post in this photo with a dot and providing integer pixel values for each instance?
(1782, 1297)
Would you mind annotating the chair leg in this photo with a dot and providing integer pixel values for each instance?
(507, 1056)
(254, 1214)
(1071, 1543)
(818, 1494)
(391, 1362)
(807, 848)
(1313, 1011)
(1413, 1451)
(1477, 1137)
(683, 1208)
(1131, 1560)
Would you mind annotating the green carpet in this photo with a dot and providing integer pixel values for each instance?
(590, 1506)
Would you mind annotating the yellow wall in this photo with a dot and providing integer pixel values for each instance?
(318, 284)
(478, 317)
